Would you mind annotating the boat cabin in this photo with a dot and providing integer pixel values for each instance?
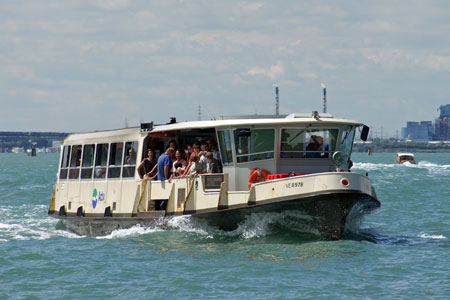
(292, 144)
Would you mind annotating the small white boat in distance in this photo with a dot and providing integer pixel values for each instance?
(403, 157)
(297, 163)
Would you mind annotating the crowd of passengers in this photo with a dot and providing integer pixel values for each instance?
(198, 158)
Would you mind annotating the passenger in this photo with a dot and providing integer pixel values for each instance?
(213, 148)
(130, 159)
(179, 165)
(202, 154)
(196, 151)
(147, 166)
(173, 144)
(196, 148)
(315, 146)
(213, 164)
(189, 149)
(164, 164)
(195, 166)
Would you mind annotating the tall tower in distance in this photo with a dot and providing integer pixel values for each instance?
(324, 98)
(277, 100)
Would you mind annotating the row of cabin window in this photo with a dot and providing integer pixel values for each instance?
(99, 161)
(259, 144)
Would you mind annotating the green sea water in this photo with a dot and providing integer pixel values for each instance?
(400, 252)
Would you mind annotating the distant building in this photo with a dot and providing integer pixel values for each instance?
(415, 131)
(442, 124)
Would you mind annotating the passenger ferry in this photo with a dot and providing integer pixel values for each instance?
(297, 163)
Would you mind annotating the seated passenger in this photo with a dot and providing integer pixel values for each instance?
(315, 146)
(130, 159)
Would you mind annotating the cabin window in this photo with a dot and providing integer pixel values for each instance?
(129, 159)
(115, 160)
(75, 162)
(254, 144)
(346, 145)
(226, 152)
(88, 161)
(308, 142)
(101, 159)
(64, 163)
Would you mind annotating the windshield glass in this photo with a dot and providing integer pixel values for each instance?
(347, 140)
(254, 144)
(308, 142)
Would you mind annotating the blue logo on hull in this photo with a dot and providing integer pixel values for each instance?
(97, 196)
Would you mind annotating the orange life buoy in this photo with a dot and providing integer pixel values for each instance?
(257, 175)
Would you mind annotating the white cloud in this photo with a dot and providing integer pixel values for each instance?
(272, 72)
(437, 62)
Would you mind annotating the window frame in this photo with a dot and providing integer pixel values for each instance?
(247, 157)
(113, 168)
(91, 167)
(306, 130)
(65, 157)
(226, 134)
(74, 171)
(130, 167)
(100, 167)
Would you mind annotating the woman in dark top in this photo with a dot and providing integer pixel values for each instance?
(147, 165)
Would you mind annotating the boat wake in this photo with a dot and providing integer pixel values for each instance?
(377, 237)
(256, 225)
(425, 165)
(32, 224)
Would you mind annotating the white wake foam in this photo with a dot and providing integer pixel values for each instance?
(431, 167)
(431, 236)
(255, 226)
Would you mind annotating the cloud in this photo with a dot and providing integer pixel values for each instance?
(272, 72)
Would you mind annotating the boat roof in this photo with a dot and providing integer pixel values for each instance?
(290, 120)
(405, 154)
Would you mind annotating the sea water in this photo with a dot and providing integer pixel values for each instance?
(400, 252)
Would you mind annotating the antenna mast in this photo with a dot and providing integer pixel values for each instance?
(199, 112)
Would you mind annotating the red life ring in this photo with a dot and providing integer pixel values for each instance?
(257, 175)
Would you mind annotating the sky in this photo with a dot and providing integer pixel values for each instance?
(76, 65)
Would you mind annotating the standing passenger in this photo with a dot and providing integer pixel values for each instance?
(164, 164)
(179, 165)
(213, 164)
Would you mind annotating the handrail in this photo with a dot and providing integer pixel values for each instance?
(191, 186)
(254, 153)
(144, 190)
